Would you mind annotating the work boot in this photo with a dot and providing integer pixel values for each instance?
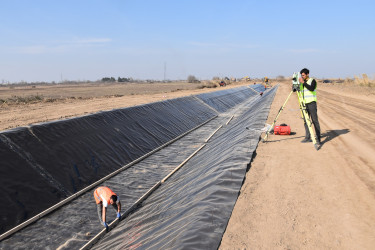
(306, 140)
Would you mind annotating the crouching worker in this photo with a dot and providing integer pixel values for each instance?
(104, 196)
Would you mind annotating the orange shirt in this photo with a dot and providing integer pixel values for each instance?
(103, 194)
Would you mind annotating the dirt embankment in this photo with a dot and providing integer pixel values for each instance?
(62, 102)
(296, 197)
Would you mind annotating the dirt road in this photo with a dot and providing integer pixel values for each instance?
(296, 197)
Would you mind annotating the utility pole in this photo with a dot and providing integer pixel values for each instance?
(165, 70)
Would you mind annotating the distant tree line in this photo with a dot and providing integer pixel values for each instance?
(108, 79)
(192, 79)
(119, 79)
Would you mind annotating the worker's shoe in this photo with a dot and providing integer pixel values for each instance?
(306, 140)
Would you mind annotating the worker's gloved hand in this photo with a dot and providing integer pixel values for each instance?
(106, 226)
(119, 215)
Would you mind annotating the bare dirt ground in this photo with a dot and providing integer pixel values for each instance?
(66, 101)
(293, 196)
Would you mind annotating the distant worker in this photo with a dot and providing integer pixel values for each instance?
(104, 196)
(266, 82)
(308, 87)
(222, 84)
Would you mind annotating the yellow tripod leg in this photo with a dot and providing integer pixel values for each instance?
(307, 119)
(274, 122)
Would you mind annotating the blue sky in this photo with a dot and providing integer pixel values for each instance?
(44, 40)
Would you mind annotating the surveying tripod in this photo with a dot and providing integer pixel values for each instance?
(303, 109)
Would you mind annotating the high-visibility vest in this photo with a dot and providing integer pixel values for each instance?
(103, 194)
(308, 96)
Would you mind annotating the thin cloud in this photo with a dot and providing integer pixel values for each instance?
(91, 41)
(37, 49)
(59, 46)
(303, 51)
(224, 45)
(200, 44)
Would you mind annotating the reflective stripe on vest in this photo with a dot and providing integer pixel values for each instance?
(309, 96)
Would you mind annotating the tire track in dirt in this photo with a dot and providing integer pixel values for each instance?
(357, 146)
(358, 118)
(350, 110)
(347, 120)
(360, 104)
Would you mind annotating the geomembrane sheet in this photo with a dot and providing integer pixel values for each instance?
(200, 201)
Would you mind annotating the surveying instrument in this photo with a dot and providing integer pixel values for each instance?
(296, 88)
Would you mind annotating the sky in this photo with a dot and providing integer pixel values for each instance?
(79, 40)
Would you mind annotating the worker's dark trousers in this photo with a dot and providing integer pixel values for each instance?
(99, 208)
(313, 113)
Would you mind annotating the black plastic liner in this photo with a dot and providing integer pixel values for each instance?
(71, 154)
(191, 210)
(222, 101)
(76, 222)
(20, 184)
(258, 87)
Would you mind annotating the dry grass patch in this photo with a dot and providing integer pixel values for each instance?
(364, 81)
(208, 84)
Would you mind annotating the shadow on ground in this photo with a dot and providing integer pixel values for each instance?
(286, 137)
(331, 134)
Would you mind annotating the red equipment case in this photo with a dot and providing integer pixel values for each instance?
(282, 129)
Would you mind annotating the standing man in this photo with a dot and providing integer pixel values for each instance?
(308, 89)
(104, 196)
